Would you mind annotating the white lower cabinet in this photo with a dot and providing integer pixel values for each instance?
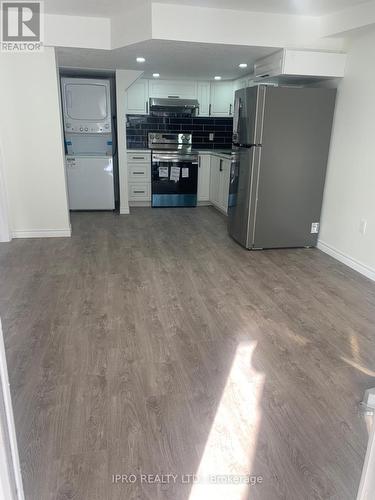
(224, 185)
(213, 179)
(139, 176)
(139, 191)
(219, 182)
(204, 168)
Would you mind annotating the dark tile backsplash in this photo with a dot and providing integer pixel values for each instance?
(138, 127)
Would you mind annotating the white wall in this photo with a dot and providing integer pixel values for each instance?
(131, 23)
(5, 234)
(236, 27)
(31, 144)
(351, 18)
(77, 31)
(350, 186)
(124, 78)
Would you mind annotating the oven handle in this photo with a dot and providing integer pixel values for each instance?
(175, 159)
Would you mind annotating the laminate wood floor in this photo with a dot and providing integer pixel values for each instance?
(154, 344)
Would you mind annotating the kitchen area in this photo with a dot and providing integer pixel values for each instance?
(193, 142)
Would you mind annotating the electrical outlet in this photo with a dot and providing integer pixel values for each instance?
(363, 226)
(315, 228)
(211, 136)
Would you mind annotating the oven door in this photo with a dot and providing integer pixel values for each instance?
(174, 180)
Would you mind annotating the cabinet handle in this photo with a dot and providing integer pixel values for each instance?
(221, 166)
(230, 109)
(173, 97)
(146, 107)
(138, 158)
(209, 110)
(199, 162)
(138, 192)
(138, 173)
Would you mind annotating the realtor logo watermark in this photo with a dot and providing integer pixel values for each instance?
(22, 26)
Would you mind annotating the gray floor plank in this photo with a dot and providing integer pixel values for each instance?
(155, 344)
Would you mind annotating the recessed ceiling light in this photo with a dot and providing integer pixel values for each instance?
(140, 59)
(217, 77)
(243, 65)
(156, 75)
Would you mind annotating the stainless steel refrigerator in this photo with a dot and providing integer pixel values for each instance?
(281, 138)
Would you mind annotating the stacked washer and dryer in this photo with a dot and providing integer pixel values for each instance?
(87, 117)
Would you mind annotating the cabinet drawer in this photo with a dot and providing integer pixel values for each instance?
(139, 172)
(140, 191)
(139, 157)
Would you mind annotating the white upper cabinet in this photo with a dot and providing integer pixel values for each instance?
(308, 63)
(203, 96)
(137, 98)
(311, 63)
(215, 98)
(242, 83)
(173, 88)
(221, 99)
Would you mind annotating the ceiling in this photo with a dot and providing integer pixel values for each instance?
(169, 58)
(104, 8)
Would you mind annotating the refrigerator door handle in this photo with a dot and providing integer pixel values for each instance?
(257, 151)
(236, 118)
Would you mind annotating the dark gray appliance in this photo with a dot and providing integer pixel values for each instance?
(281, 138)
(174, 170)
(173, 105)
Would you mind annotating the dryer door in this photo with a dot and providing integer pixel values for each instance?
(87, 107)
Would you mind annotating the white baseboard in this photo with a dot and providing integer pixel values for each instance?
(347, 260)
(43, 233)
(124, 211)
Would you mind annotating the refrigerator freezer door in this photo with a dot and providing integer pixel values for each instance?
(90, 182)
(296, 137)
(248, 116)
(242, 194)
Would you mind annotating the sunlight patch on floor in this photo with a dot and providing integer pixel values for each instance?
(230, 448)
(359, 367)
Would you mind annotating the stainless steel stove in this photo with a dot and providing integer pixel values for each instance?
(174, 170)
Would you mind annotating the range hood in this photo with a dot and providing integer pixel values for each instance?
(173, 105)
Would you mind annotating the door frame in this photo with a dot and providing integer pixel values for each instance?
(367, 484)
(11, 485)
